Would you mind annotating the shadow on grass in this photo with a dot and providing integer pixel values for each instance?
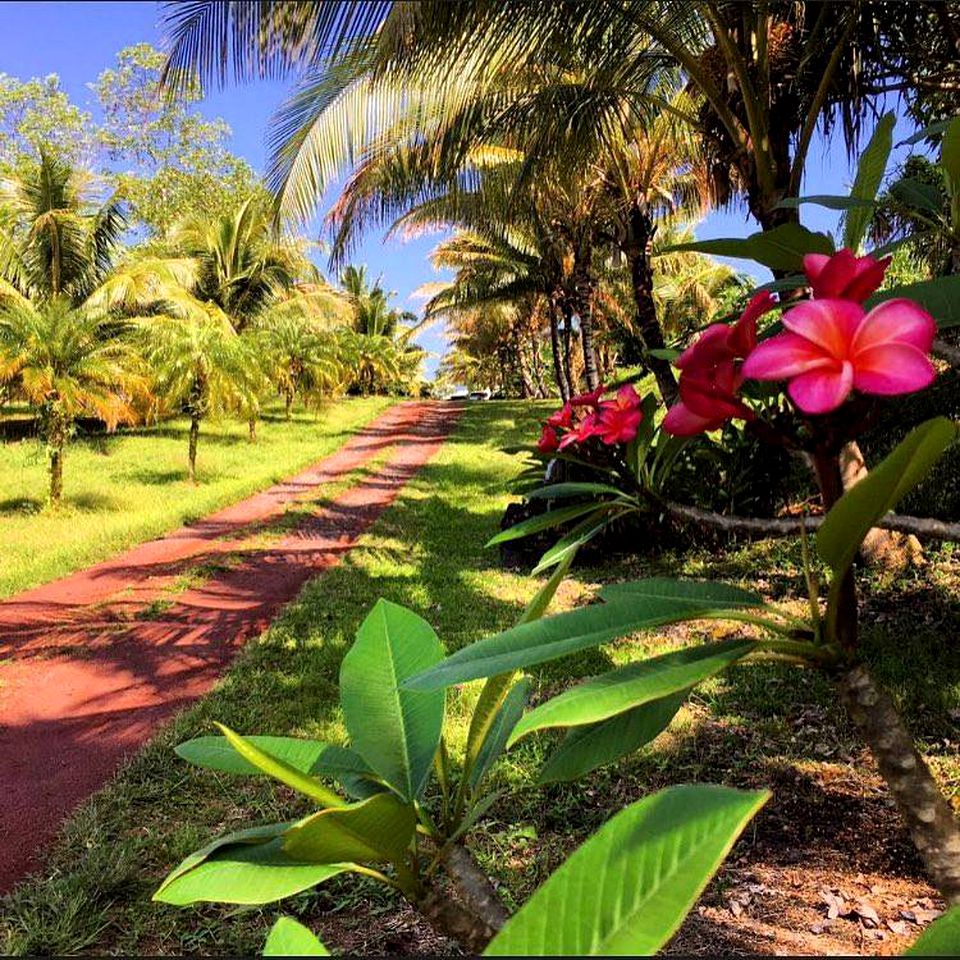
(14, 505)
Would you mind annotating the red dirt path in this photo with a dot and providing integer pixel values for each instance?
(83, 683)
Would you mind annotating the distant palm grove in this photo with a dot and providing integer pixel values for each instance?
(143, 274)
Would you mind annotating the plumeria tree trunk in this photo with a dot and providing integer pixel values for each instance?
(927, 814)
(636, 248)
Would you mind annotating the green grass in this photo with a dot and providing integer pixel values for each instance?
(125, 488)
(745, 728)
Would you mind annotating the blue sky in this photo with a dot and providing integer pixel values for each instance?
(78, 40)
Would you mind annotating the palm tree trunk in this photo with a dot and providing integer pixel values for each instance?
(636, 248)
(520, 358)
(252, 426)
(56, 471)
(192, 449)
(537, 367)
(572, 385)
(585, 313)
(563, 384)
(288, 403)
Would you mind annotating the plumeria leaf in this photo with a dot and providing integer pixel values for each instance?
(829, 201)
(279, 769)
(511, 710)
(239, 869)
(288, 938)
(530, 643)
(594, 745)
(941, 938)
(781, 248)
(375, 830)
(631, 686)
(857, 511)
(558, 491)
(395, 730)
(939, 297)
(627, 889)
(543, 521)
(870, 171)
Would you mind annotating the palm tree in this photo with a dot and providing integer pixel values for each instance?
(299, 358)
(68, 363)
(203, 366)
(249, 273)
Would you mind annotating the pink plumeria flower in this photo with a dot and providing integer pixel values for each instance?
(844, 276)
(710, 374)
(618, 420)
(832, 347)
(549, 440)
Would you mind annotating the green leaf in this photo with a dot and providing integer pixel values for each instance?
(307, 756)
(373, 831)
(665, 353)
(559, 491)
(924, 197)
(627, 889)
(829, 201)
(940, 939)
(395, 730)
(858, 510)
(288, 938)
(594, 745)
(497, 688)
(950, 155)
(694, 593)
(866, 184)
(543, 521)
(530, 643)
(939, 297)
(926, 133)
(280, 769)
(500, 729)
(252, 835)
(781, 248)
(570, 543)
(632, 686)
(242, 872)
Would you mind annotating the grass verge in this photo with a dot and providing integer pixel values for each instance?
(125, 488)
(759, 724)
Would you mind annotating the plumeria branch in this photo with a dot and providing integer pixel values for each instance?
(948, 352)
(920, 527)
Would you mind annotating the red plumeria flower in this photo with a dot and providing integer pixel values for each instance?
(832, 347)
(844, 276)
(549, 441)
(619, 419)
(562, 418)
(711, 375)
(590, 399)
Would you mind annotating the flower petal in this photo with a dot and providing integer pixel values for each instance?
(867, 278)
(681, 421)
(834, 275)
(711, 347)
(813, 264)
(831, 324)
(783, 356)
(893, 368)
(896, 321)
(821, 391)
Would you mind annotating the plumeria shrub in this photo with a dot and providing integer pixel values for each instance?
(394, 804)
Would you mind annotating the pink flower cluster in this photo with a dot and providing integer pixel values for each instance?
(830, 347)
(585, 416)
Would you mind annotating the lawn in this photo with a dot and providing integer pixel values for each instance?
(828, 825)
(127, 487)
